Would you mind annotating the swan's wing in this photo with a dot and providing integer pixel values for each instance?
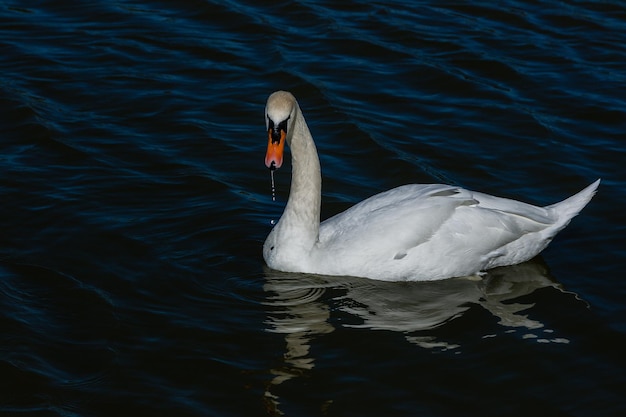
(438, 227)
(513, 207)
(395, 220)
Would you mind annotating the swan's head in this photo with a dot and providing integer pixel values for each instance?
(279, 117)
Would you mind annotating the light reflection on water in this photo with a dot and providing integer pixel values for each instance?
(300, 309)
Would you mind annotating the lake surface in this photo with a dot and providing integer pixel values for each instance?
(135, 202)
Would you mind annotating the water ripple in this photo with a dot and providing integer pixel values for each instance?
(135, 203)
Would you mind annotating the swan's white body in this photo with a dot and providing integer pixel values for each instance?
(413, 232)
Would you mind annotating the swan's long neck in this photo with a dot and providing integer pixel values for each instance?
(302, 213)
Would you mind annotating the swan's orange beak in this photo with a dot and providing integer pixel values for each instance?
(275, 148)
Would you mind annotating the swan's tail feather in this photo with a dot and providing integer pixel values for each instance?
(570, 207)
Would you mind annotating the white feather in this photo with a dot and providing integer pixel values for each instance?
(413, 232)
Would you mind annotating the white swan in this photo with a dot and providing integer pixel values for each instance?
(413, 232)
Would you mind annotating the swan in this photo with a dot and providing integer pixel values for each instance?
(415, 232)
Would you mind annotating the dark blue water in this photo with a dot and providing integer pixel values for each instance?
(134, 203)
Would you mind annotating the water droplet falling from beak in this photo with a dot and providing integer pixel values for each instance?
(272, 221)
(273, 186)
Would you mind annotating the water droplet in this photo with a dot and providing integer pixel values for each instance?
(272, 221)
(273, 187)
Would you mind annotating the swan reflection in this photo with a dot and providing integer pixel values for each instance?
(300, 307)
